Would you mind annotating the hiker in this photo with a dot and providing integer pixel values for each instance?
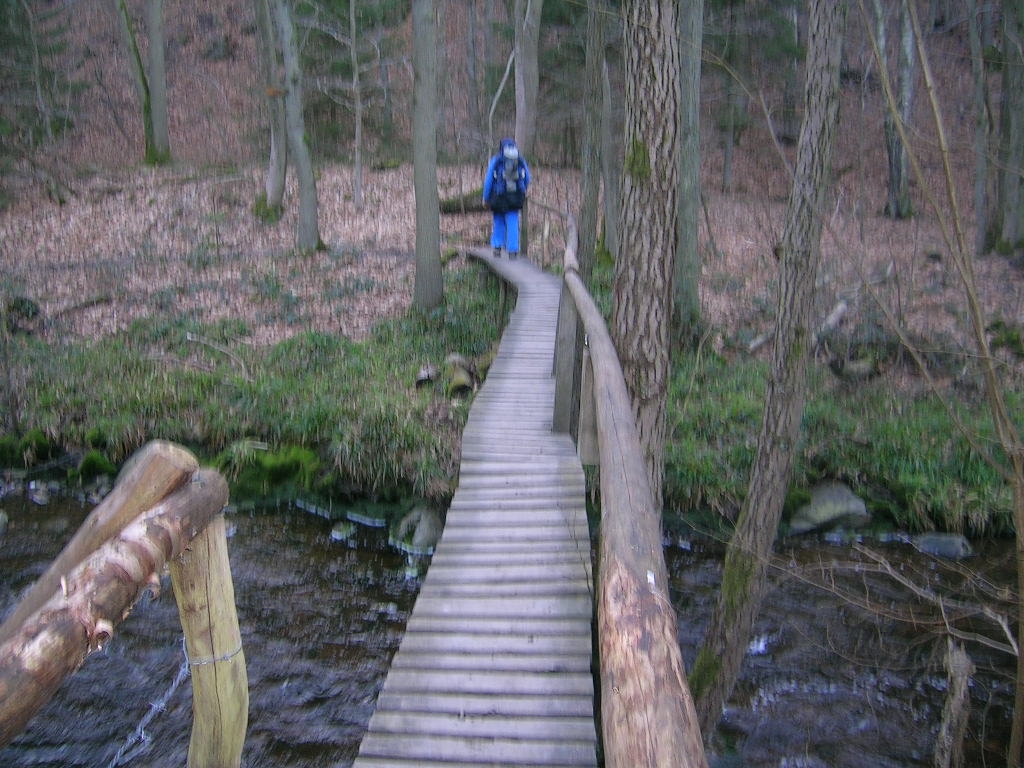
(505, 185)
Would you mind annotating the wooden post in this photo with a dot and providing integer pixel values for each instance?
(95, 596)
(586, 441)
(157, 469)
(565, 362)
(201, 578)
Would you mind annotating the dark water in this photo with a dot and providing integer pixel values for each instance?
(320, 620)
(828, 682)
(836, 676)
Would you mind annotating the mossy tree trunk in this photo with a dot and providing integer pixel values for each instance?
(151, 81)
(642, 293)
(743, 581)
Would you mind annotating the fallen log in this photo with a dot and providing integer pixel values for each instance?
(157, 469)
(96, 595)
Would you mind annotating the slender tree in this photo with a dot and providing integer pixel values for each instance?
(744, 578)
(428, 291)
(982, 131)
(686, 315)
(150, 81)
(527, 15)
(642, 297)
(898, 203)
(307, 235)
(357, 109)
(1010, 223)
(272, 202)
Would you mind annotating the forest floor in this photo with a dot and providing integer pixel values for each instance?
(176, 241)
(127, 241)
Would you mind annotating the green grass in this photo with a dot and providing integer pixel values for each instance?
(338, 418)
(352, 406)
(904, 455)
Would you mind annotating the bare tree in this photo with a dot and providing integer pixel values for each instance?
(150, 81)
(527, 81)
(686, 314)
(270, 69)
(898, 204)
(527, 44)
(1010, 212)
(307, 235)
(744, 578)
(428, 291)
(642, 298)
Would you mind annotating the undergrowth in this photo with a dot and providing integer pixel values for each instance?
(340, 418)
(321, 412)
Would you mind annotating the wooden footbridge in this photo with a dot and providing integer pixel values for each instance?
(495, 664)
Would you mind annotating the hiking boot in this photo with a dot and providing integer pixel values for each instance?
(497, 253)
(513, 255)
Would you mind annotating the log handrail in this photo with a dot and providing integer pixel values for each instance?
(647, 712)
(164, 510)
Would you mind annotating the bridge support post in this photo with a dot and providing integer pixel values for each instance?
(203, 589)
(566, 365)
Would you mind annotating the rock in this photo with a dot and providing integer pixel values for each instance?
(38, 493)
(426, 375)
(425, 524)
(952, 546)
(428, 530)
(832, 505)
(342, 530)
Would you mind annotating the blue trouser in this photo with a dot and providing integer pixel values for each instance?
(506, 231)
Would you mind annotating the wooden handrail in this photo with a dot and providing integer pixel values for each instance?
(102, 573)
(647, 712)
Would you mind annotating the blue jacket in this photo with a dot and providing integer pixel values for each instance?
(495, 196)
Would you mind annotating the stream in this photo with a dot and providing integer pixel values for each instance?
(829, 682)
(320, 621)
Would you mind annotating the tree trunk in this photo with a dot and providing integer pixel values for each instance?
(743, 580)
(428, 291)
(307, 236)
(138, 78)
(158, 80)
(686, 318)
(982, 132)
(1011, 186)
(734, 122)
(611, 159)
(277, 166)
(787, 127)
(527, 81)
(473, 82)
(642, 298)
(898, 204)
(357, 102)
(527, 44)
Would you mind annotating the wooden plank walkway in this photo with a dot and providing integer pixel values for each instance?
(495, 665)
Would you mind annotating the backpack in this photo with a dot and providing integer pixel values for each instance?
(508, 184)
